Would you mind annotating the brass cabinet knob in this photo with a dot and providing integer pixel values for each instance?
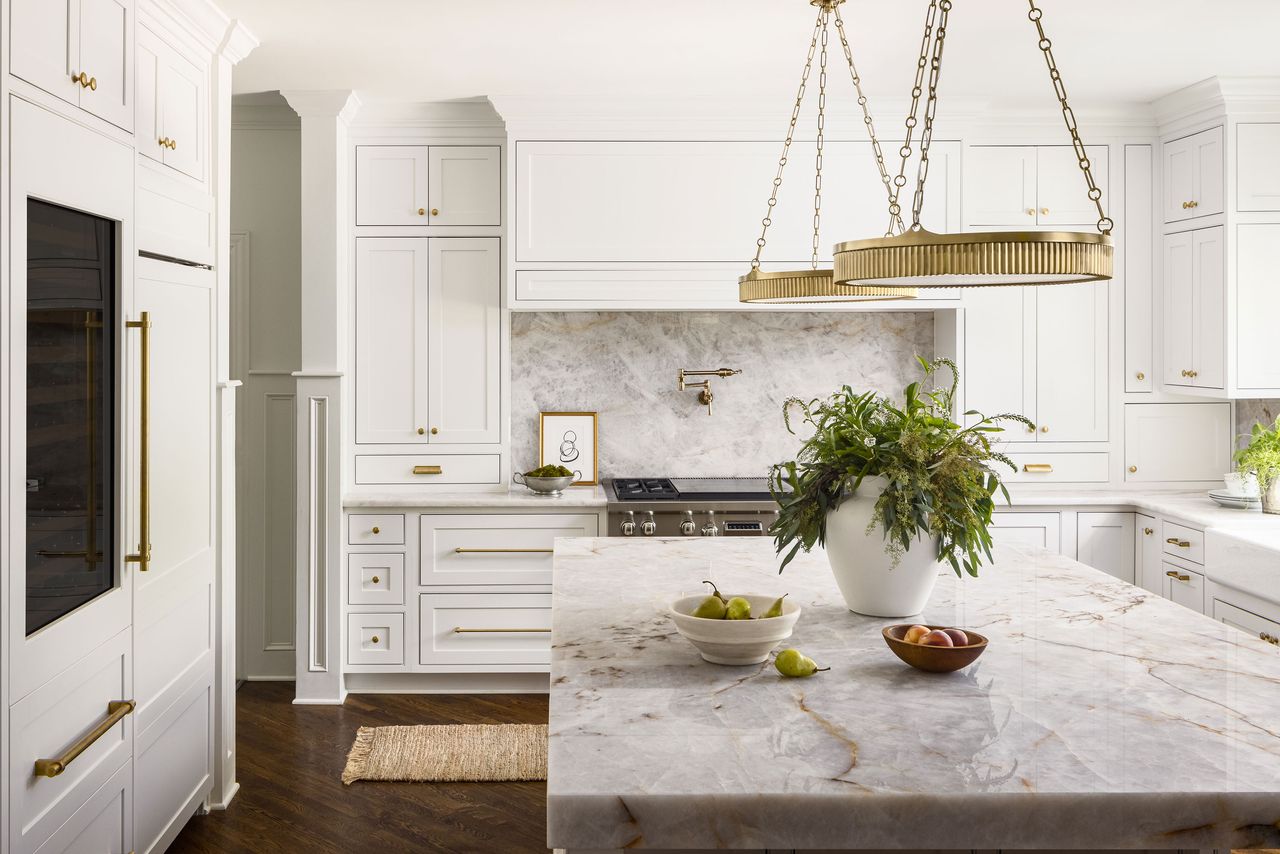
(1132, 470)
(1044, 428)
(1269, 638)
(421, 431)
(375, 579)
(435, 431)
(1044, 211)
(1141, 375)
(374, 639)
(1193, 204)
(1193, 374)
(435, 212)
(377, 530)
(173, 144)
(422, 211)
(1148, 531)
(1031, 211)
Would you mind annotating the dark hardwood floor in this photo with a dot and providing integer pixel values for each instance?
(291, 797)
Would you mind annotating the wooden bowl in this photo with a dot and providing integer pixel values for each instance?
(935, 659)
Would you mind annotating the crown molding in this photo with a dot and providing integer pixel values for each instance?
(1214, 97)
(237, 43)
(201, 20)
(342, 104)
(469, 113)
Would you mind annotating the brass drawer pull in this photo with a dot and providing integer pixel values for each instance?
(1038, 468)
(464, 551)
(1182, 544)
(1173, 573)
(459, 630)
(428, 470)
(1271, 639)
(116, 711)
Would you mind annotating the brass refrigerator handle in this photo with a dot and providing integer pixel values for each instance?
(143, 556)
(459, 630)
(116, 712)
(462, 551)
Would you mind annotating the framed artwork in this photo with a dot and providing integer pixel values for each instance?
(569, 439)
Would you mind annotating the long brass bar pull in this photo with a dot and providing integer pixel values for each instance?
(1038, 468)
(116, 712)
(459, 630)
(143, 556)
(462, 551)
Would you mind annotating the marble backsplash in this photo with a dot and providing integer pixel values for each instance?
(623, 366)
(1250, 412)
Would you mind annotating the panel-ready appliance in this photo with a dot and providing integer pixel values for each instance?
(689, 507)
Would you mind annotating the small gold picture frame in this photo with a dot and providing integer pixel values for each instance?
(570, 439)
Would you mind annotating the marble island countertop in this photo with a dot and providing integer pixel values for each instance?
(1101, 716)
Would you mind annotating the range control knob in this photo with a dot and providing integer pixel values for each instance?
(649, 526)
(710, 529)
(687, 527)
(628, 526)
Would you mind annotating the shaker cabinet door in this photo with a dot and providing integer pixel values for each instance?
(391, 340)
(44, 44)
(1179, 308)
(1194, 176)
(106, 55)
(391, 185)
(1000, 354)
(1071, 363)
(1177, 441)
(1105, 541)
(146, 98)
(1062, 195)
(180, 92)
(1000, 183)
(465, 185)
(1209, 309)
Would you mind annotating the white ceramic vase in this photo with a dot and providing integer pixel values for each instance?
(1271, 497)
(868, 580)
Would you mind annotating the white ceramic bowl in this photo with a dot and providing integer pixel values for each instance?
(735, 641)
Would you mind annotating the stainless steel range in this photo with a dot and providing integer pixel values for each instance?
(690, 507)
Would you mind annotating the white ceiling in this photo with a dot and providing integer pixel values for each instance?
(1110, 51)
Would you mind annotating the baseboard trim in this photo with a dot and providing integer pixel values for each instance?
(228, 797)
(447, 683)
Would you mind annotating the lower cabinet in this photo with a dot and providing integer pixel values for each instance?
(1035, 530)
(484, 628)
(1105, 541)
(1246, 621)
(104, 823)
(1184, 586)
(1146, 553)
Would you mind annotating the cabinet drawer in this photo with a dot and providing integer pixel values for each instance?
(373, 529)
(495, 549)
(1183, 542)
(1027, 530)
(375, 579)
(375, 639)
(1184, 586)
(420, 469)
(103, 823)
(1246, 621)
(48, 721)
(1057, 468)
(484, 628)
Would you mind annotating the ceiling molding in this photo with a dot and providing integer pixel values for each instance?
(1214, 97)
(199, 19)
(238, 42)
(342, 104)
(470, 113)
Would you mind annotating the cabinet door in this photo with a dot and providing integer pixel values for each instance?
(1062, 196)
(1071, 363)
(1257, 167)
(1210, 172)
(1146, 550)
(1000, 183)
(1169, 442)
(44, 40)
(1179, 179)
(1000, 354)
(106, 55)
(391, 185)
(146, 113)
(1105, 541)
(1139, 270)
(1027, 530)
(391, 340)
(465, 184)
(465, 325)
(1179, 308)
(1209, 310)
(1257, 305)
(180, 91)
(1184, 586)
(1193, 176)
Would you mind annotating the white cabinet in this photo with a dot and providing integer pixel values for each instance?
(1195, 309)
(484, 628)
(1105, 541)
(1184, 586)
(1028, 186)
(1257, 305)
(1177, 441)
(427, 326)
(1146, 551)
(1027, 530)
(171, 125)
(488, 549)
(464, 184)
(54, 41)
(1040, 352)
(1193, 175)
(428, 185)
(1257, 167)
(1246, 621)
(1139, 270)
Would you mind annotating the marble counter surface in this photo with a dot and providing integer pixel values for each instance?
(1100, 716)
(1195, 507)
(521, 498)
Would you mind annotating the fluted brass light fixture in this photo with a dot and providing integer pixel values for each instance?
(918, 258)
(814, 285)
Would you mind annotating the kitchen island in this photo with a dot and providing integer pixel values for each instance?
(1100, 716)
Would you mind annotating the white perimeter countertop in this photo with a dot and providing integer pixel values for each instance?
(524, 499)
(1100, 716)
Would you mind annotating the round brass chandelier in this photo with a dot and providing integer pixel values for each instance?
(905, 258)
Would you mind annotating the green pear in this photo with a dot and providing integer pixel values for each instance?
(775, 610)
(794, 663)
(711, 608)
(715, 591)
(738, 609)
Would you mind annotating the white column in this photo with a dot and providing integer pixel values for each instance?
(320, 636)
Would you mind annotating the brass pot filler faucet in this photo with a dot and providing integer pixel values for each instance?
(705, 395)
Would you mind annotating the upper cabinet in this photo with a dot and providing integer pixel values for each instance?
(171, 106)
(428, 185)
(1030, 186)
(1258, 167)
(1193, 175)
(1195, 304)
(79, 50)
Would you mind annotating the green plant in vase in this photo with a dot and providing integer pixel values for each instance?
(1262, 457)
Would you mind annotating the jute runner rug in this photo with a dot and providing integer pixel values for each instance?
(455, 753)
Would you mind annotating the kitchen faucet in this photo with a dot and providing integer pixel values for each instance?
(705, 395)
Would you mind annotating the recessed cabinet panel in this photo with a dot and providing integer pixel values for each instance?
(1179, 308)
(1000, 182)
(1071, 363)
(375, 638)
(1177, 441)
(147, 66)
(465, 185)
(1210, 339)
(1105, 541)
(464, 313)
(1181, 541)
(391, 340)
(1147, 573)
(1258, 167)
(391, 185)
(104, 823)
(180, 92)
(487, 550)
(1027, 530)
(106, 55)
(1062, 194)
(1000, 354)
(485, 628)
(1257, 305)
(1139, 270)
(1184, 586)
(1193, 176)
(44, 45)
(375, 579)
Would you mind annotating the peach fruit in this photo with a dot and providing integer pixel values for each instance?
(958, 638)
(937, 637)
(914, 634)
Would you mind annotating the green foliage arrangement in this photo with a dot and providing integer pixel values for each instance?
(1263, 454)
(941, 475)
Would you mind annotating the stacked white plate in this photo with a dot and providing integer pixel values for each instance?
(1235, 502)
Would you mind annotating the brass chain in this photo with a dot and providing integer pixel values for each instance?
(905, 151)
(866, 112)
(1105, 223)
(822, 110)
(786, 145)
(930, 109)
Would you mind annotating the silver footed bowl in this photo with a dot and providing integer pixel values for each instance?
(549, 486)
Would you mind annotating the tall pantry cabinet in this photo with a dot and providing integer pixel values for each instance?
(116, 693)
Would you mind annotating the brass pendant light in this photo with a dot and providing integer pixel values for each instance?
(814, 285)
(918, 258)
